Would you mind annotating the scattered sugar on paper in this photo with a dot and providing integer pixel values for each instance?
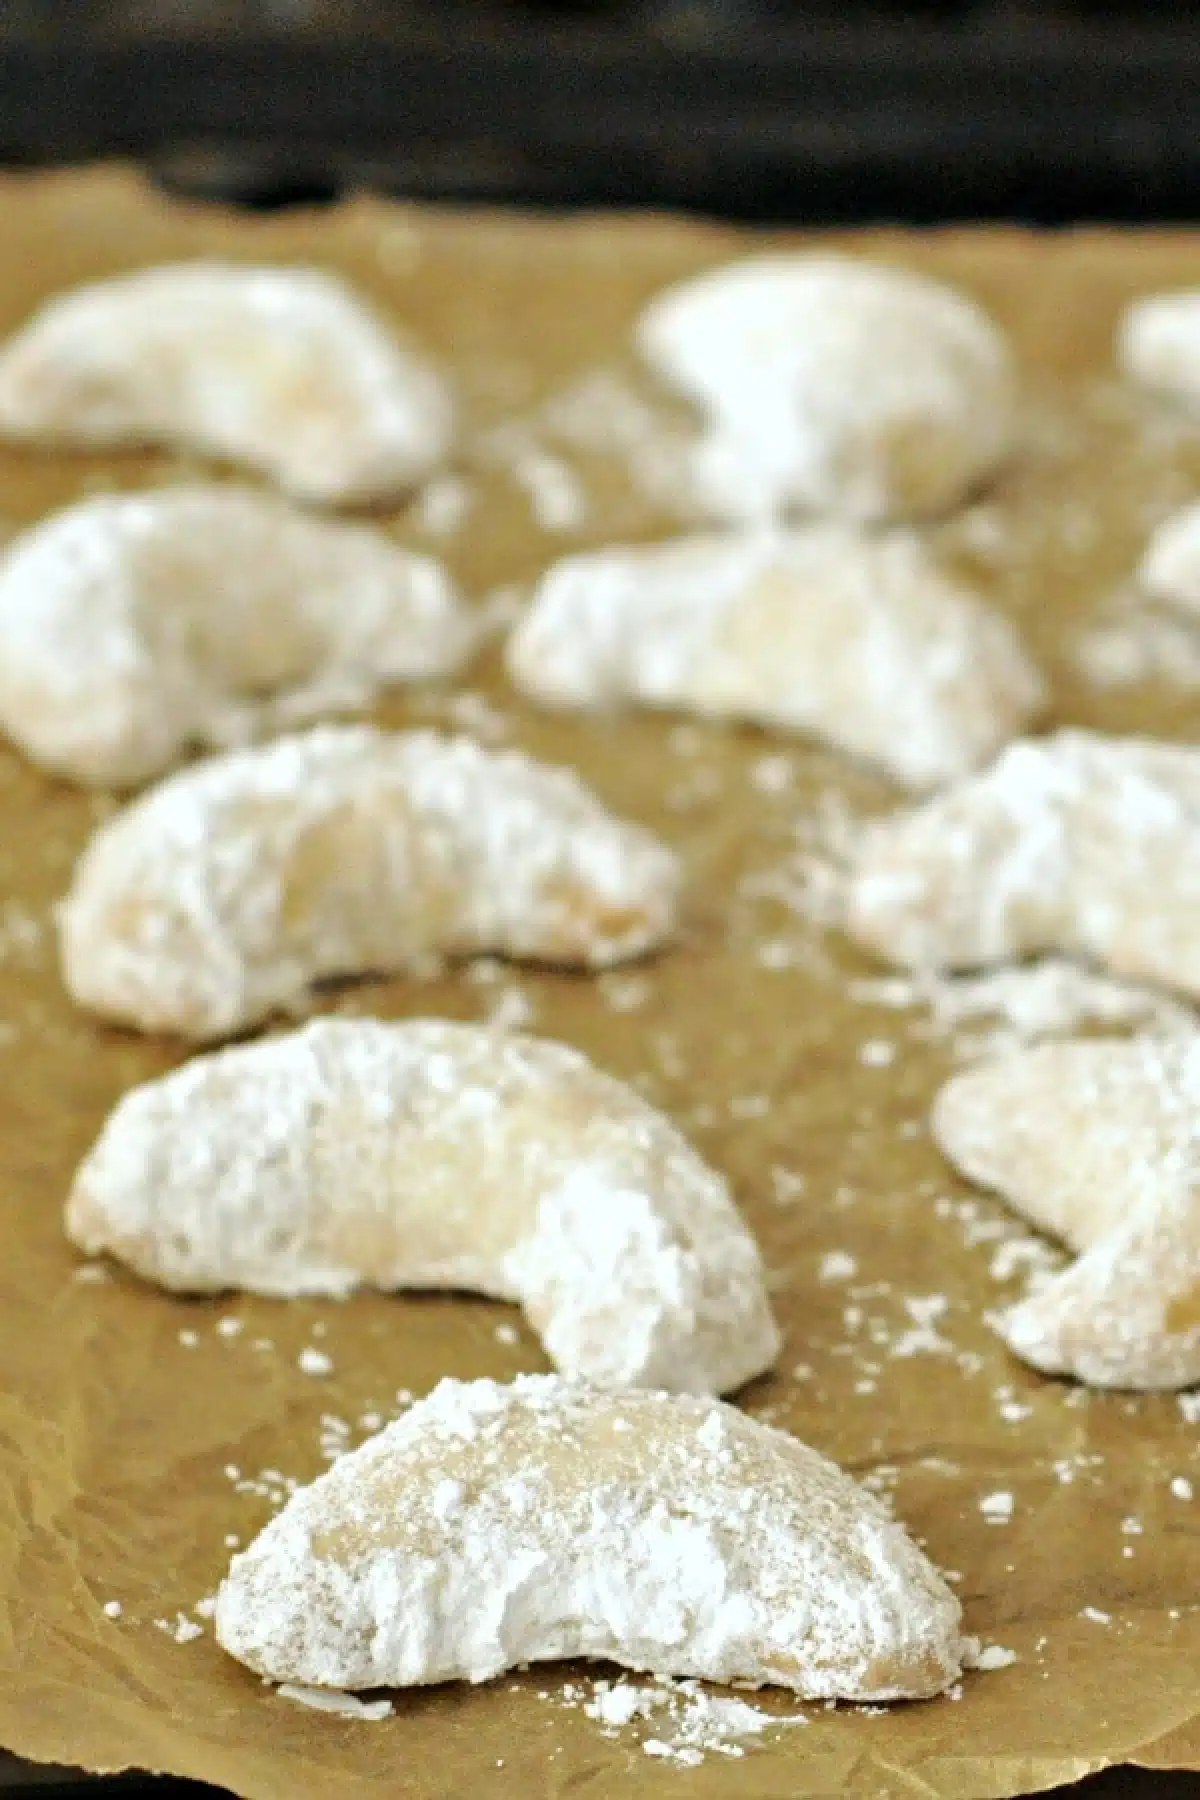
(688, 1722)
(997, 1508)
(112, 1609)
(314, 1362)
(1182, 1488)
(922, 1338)
(810, 881)
(1047, 999)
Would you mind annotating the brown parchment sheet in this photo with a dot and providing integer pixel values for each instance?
(123, 1412)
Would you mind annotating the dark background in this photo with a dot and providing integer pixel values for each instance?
(784, 110)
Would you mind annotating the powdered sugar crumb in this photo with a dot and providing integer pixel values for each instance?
(183, 1630)
(837, 1265)
(991, 1656)
(347, 1706)
(314, 1362)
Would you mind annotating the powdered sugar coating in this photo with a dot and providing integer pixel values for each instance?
(862, 640)
(133, 626)
(834, 383)
(1098, 1143)
(1158, 344)
(431, 1154)
(1078, 843)
(226, 892)
(283, 369)
(1170, 568)
(495, 1525)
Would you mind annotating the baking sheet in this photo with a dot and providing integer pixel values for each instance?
(135, 1430)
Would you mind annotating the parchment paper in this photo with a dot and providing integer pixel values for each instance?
(117, 1433)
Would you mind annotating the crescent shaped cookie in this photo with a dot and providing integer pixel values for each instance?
(493, 1526)
(860, 640)
(430, 1154)
(1170, 568)
(135, 626)
(1096, 1142)
(225, 893)
(1158, 345)
(284, 370)
(1076, 844)
(834, 384)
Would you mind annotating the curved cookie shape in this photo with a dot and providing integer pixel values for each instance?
(430, 1154)
(135, 626)
(225, 893)
(1158, 345)
(1076, 844)
(497, 1525)
(1095, 1142)
(835, 384)
(1170, 568)
(284, 370)
(860, 640)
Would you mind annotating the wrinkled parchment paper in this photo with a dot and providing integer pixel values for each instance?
(135, 1430)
